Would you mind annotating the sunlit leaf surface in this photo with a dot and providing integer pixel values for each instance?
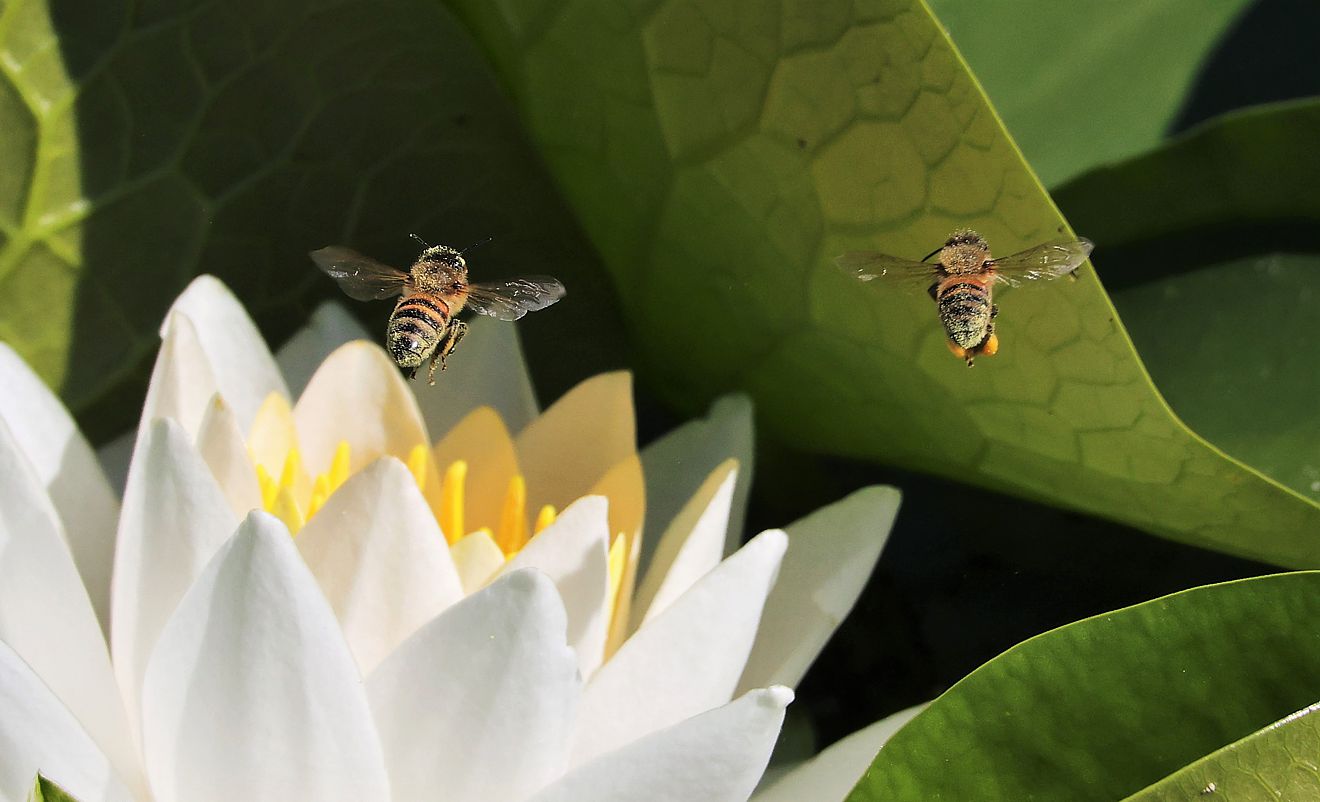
(1082, 84)
(721, 155)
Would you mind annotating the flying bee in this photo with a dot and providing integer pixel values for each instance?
(435, 289)
(961, 283)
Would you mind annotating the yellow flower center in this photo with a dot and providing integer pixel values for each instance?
(283, 498)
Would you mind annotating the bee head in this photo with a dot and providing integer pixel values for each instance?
(966, 236)
(444, 255)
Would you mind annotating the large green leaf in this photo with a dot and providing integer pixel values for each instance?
(1210, 334)
(1245, 183)
(1102, 708)
(1278, 762)
(1081, 84)
(145, 143)
(721, 154)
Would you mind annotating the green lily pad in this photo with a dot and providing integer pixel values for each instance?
(1242, 184)
(1275, 763)
(145, 144)
(729, 151)
(1081, 84)
(1233, 348)
(1102, 708)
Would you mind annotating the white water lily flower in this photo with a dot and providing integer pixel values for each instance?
(465, 618)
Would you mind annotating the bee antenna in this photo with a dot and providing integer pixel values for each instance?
(932, 253)
(425, 244)
(475, 245)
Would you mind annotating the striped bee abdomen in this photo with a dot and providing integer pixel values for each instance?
(415, 328)
(964, 306)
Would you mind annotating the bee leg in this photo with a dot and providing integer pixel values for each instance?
(934, 291)
(455, 332)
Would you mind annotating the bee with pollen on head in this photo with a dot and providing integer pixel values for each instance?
(961, 282)
(424, 323)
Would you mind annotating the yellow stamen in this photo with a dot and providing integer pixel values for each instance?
(286, 509)
(618, 562)
(417, 461)
(292, 470)
(513, 517)
(339, 466)
(320, 492)
(544, 518)
(269, 488)
(451, 501)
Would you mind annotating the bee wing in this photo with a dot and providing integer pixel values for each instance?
(510, 300)
(361, 278)
(871, 265)
(1046, 261)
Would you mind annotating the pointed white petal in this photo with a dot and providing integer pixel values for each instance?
(357, 396)
(174, 519)
(68, 470)
(597, 414)
(477, 558)
(692, 545)
(486, 370)
(45, 615)
(831, 775)
(251, 692)
(220, 443)
(830, 556)
(244, 370)
(380, 559)
(37, 733)
(716, 756)
(182, 382)
(686, 659)
(574, 552)
(479, 704)
(329, 327)
(676, 463)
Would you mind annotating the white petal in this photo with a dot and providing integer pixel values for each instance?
(380, 559)
(830, 556)
(220, 443)
(487, 369)
(574, 552)
(251, 692)
(477, 558)
(692, 545)
(45, 615)
(329, 327)
(69, 472)
(831, 775)
(174, 519)
(244, 370)
(577, 440)
(182, 382)
(479, 704)
(37, 733)
(716, 756)
(685, 660)
(359, 397)
(676, 463)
